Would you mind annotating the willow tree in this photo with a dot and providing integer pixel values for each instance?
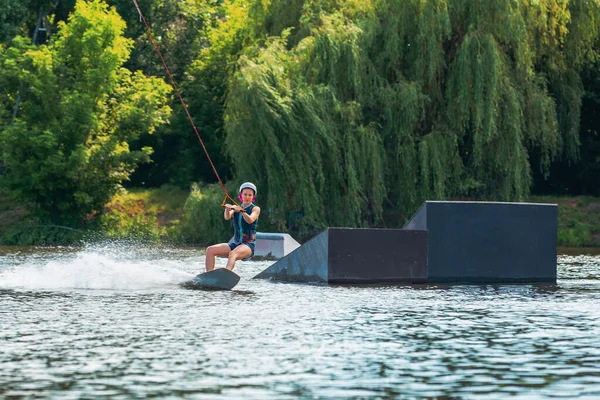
(295, 125)
(67, 152)
(361, 107)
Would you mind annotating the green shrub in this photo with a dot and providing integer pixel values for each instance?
(34, 233)
(574, 237)
(202, 219)
(140, 227)
(578, 219)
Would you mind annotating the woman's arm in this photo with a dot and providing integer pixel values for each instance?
(253, 215)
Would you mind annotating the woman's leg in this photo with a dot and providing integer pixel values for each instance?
(221, 249)
(240, 252)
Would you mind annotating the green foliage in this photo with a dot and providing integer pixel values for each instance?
(180, 29)
(143, 215)
(202, 219)
(574, 237)
(33, 232)
(206, 85)
(449, 98)
(581, 42)
(405, 41)
(578, 223)
(177, 26)
(578, 219)
(20, 227)
(137, 227)
(12, 14)
(347, 113)
(299, 106)
(68, 152)
(20, 17)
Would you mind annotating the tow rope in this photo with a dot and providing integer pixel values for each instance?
(227, 196)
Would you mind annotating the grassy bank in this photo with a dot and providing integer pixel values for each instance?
(11, 213)
(137, 214)
(156, 215)
(578, 219)
(160, 210)
(144, 214)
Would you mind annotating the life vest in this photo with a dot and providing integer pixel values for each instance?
(244, 232)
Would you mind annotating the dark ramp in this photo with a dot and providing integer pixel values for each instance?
(308, 263)
(217, 279)
(481, 242)
(342, 255)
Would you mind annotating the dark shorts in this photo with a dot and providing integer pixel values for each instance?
(250, 244)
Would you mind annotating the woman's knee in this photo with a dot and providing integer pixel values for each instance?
(240, 253)
(213, 250)
(210, 250)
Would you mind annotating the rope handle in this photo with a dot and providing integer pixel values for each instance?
(227, 196)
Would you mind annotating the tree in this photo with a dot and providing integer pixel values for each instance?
(295, 124)
(205, 91)
(180, 29)
(67, 152)
(12, 14)
(358, 107)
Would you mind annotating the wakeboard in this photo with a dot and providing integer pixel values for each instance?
(217, 279)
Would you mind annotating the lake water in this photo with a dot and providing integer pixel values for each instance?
(110, 322)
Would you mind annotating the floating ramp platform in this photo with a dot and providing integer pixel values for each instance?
(274, 245)
(485, 242)
(444, 242)
(342, 255)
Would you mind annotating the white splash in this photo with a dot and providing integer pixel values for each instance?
(93, 270)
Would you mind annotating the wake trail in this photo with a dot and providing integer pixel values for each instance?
(90, 269)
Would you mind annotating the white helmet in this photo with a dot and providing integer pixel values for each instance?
(247, 185)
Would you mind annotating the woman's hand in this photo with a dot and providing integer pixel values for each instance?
(227, 211)
(233, 207)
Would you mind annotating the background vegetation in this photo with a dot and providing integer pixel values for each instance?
(345, 113)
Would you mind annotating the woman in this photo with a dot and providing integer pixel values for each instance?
(245, 219)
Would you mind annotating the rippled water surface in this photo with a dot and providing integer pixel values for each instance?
(111, 322)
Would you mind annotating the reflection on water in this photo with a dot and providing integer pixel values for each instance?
(111, 322)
